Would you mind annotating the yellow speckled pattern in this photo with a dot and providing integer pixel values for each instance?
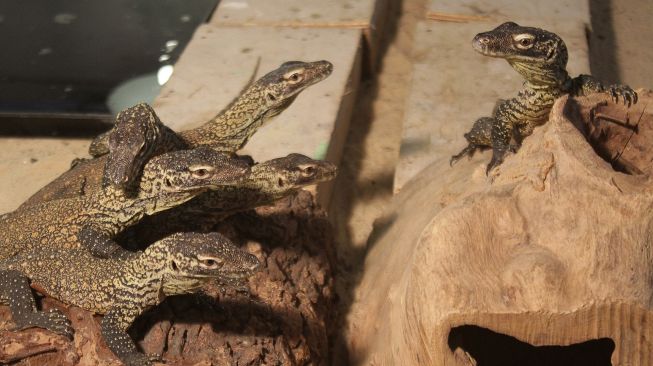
(228, 131)
(168, 180)
(267, 182)
(121, 289)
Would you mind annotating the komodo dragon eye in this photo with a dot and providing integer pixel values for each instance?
(210, 263)
(201, 172)
(524, 41)
(294, 76)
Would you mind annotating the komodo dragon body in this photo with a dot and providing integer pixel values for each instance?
(228, 131)
(93, 220)
(267, 182)
(257, 104)
(121, 289)
(540, 57)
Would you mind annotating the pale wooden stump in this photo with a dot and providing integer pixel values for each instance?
(557, 250)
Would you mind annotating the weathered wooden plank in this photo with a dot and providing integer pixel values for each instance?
(367, 15)
(28, 164)
(504, 10)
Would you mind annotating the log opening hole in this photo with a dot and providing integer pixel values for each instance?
(489, 348)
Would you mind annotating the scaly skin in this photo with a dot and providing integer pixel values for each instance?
(122, 289)
(541, 58)
(92, 221)
(228, 131)
(266, 183)
(137, 136)
(258, 104)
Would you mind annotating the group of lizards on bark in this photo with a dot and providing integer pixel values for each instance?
(65, 240)
(69, 239)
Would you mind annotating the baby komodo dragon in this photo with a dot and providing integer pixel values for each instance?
(93, 220)
(122, 289)
(267, 182)
(228, 131)
(541, 58)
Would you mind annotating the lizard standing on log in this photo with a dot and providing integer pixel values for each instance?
(122, 289)
(93, 220)
(541, 58)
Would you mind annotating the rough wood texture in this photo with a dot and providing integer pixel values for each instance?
(285, 319)
(557, 250)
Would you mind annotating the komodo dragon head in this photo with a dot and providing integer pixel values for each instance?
(191, 260)
(175, 177)
(289, 173)
(279, 88)
(538, 55)
(130, 142)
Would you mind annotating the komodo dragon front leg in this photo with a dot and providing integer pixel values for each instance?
(101, 244)
(16, 292)
(587, 84)
(480, 136)
(114, 331)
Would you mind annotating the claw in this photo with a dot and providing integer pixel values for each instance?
(454, 159)
(469, 151)
(628, 95)
(493, 164)
(497, 158)
(155, 357)
(490, 166)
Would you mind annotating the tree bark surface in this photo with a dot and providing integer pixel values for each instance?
(284, 318)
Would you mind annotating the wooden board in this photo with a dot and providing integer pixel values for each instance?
(367, 15)
(28, 164)
(453, 85)
(505, 10)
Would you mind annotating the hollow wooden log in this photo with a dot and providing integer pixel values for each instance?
(547, 261)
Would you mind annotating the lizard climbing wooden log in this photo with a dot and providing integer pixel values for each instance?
(540, 57)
